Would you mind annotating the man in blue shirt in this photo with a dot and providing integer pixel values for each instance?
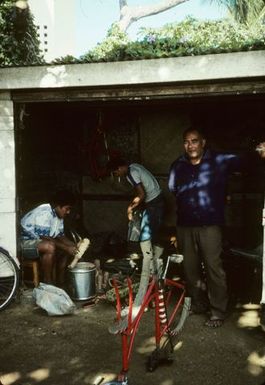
(43, 235)
(198, 180)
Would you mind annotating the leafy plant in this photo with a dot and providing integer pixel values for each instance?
(111, 49)
(19, 44)
(188, 38)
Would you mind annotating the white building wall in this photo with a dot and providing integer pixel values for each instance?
(8, 236)
(55, 20)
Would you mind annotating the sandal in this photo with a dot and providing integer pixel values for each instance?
(214, 322)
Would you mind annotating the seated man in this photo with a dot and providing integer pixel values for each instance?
(43, 235)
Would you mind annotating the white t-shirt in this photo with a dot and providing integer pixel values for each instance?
(139, 174)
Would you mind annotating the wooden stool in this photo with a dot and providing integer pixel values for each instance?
(34, 265)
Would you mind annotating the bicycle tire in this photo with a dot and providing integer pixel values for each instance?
(9, 278)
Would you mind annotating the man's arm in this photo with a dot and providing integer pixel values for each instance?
(137, 200)
(172, 179)
(63, 243)
(28, 226)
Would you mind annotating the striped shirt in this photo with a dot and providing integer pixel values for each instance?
(41, 221)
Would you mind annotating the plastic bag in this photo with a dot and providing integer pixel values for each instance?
(53, 299)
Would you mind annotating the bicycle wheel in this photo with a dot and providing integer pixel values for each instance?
(9, 278)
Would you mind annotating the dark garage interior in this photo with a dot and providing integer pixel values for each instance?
(67, 144)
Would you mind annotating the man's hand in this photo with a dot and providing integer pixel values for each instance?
(137, 200)
(261, 149)
(71, 250)
(173, 241)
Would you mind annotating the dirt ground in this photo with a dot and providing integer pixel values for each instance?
(78, 349)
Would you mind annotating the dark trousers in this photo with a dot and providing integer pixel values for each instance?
(203, 244)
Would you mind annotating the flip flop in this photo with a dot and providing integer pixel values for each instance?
(214, 322)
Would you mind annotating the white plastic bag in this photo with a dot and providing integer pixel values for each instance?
(53, 299)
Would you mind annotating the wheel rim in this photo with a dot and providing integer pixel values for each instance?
(8, 279)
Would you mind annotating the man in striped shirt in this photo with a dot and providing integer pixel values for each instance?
(42, 236)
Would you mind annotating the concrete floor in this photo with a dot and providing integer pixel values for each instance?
(78, 350)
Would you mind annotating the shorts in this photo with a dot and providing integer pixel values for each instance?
(29, 248)
(152, 218)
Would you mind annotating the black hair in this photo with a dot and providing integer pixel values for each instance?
(115, 163)
(63, 198)
(192, 129)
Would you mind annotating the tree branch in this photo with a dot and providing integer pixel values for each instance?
(129, 15)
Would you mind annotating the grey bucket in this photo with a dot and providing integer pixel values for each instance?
(82, 285)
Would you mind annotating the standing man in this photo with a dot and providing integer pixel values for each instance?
(43, 235)
(198, 181)
(148, 198)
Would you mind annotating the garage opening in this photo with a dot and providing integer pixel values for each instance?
(67, 144)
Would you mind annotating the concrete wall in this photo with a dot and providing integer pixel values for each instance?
(155, 71)
(7, 172)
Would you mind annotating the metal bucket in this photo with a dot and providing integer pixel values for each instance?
(82, 285)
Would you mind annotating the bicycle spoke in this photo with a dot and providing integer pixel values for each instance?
(8, 279)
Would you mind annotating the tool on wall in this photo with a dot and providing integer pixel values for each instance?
(99, 152)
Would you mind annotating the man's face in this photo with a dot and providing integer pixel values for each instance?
(120, 171)
(194, 145)
(62, 211)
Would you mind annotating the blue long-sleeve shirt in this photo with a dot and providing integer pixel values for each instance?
(200, 189)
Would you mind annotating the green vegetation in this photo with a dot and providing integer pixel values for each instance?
(19, 45)
(188, 38)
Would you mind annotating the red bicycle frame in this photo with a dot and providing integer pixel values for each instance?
(156, 293)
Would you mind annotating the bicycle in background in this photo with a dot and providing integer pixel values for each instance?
(9, 278)
(168, 297)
